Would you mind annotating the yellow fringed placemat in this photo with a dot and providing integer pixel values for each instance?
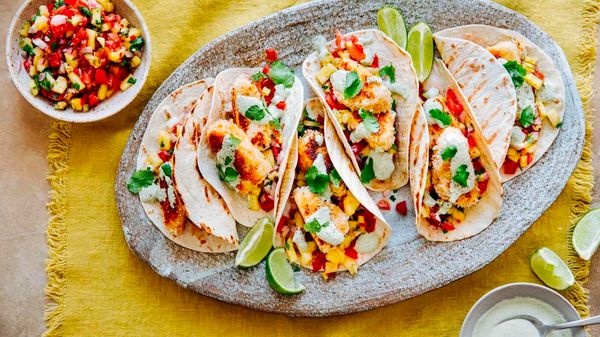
(98, 287)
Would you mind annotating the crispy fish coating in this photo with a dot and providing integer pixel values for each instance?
(508, 50)
(249, 162)
(309, 146)
(374, 95)
(260, 135)
(308, 203)
(385, 137)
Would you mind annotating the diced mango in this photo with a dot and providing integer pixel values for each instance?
(114, 56)
(351, 204)
(24, 31)
(164, 140)
(102, 92)
(291, 253)
(96, 17)
(107, 5)
(534, 81)
(457, 214)
(305, 259)
(353, 224)
(91, 38)
(331, 267)
(523, 161)
(351, 265)
(71, 60)
(253, 202)
(60, 105)
(325, 73)
(101, 40)
(135, 33)
(153, 160)
(530, 60)
(76, 104)
(60, 85)
(76, 82)
(33, 87)
(474, 152)
(44, 11)
(298, 221)
(41, 24)
(128, 82)
(336, 255)
(553, 117)
(513, 154)
(93, 60)
(135, 61)
(269, 155)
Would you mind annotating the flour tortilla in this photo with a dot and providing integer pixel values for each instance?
(203, 205)
(179, 103)
(488, 88)
(487, 36)
(388, 52)
(478, 217)
(237, 203)
(344, 167)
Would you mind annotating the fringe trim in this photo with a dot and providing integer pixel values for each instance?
(58, 161)
(580, 181)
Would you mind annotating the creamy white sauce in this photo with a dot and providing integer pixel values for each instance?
(452, 136)
(319, 163)
(517, 137)
(338, 80)
(367, 243)
(487, 325)
(396, 88)
(369, 55)
(374, 79)
(329, 233)
(431, 93)
(319, 44)
(432, 104)
(383, 164)
(319, 139)
(549, 92)
(299, 240)
(359, 133)
(228, 151)
(152, 192)
(312, 114)
(428, 200)
(244, 103)
(525, 98)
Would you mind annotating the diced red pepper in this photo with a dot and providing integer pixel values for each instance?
(375, 63)
(384, 205)
(271, 54)
(266, 69)
(434, 217)
(318, 261)
(266, 202)
(446, 226)
(356, 52)
(452, 102)
(471, 141)
(164, 156)
(509, 166)
(26, 65)
(281, 105)
(70, 2)
(113, 82)
(268, 84)
(284, 219)
(370, 221)
(100, 76)
(86, 76)
(93, 99)
(401, 208)
(339, 40)
(276, 149)
(529, 158)
(333, 102)
(482, 185)
(477, 166)
(539, 74)
(351, 253)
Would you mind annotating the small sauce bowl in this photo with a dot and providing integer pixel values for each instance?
(513, 290)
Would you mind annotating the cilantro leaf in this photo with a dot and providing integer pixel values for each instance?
(367, 173)
(461, 176)
(393, 105)
(137, 44)
(441, 116)
(227, 174)
(255, 113)
(516, 71)
(314, 226)
(275, 123)
(316, 181)
(527, 117)
(140, 179)
(353, 85)
(295, 267)
(280, 73)
(449, 152)
(257, 76)
(335, 178)
(388, 71)
(85, 11)
(167, 169)
(131, 80)
(58, 4)
(370, 121)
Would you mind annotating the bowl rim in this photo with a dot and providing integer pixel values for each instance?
(91, 115)
(565, 304)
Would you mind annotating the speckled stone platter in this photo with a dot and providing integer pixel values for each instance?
(409, 265)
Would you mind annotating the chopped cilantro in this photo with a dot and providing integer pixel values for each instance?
(137, 44)
(275, 123)
(335, 178)
(441, 116)
(300, 129)
(124, 63)
(76, 86)
(85, 11)
(167, 169)
(367, 173)
(449, 152)
(228, 175)
(393, 105)
(234, 141)
(370, 121)
(280, 73)
(58, 4)
(392, 197)
(325, 87)
(27, 48)
(516, 71)
(461, 176)
(527, 117)
(255, 113)
(140, 179)
(314, 226)
(353, 85)
(45, 82)
(54, 45)
(257, 76)
(295, 267)
(228, 160)
(559, 125)
(317, 182)
(388, 71)
(131, 80)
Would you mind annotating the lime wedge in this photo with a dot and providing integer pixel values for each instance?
(420, 48)
(586, 236)
(391, 22)
(280, 274)
(551, 269)
(256, 244)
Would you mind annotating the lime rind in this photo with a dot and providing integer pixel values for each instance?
(586, 235)
(280, 274)
(256, 245)
(391, 22)
(551, 269)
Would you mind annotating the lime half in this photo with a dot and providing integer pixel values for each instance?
(420, 48)
(586, 236)
(280, 274)
(256, 244)
(391, 22)
(551, 269)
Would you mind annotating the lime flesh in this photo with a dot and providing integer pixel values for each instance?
(420, 48)
(586, 236)
(391, 22)
(280, 274)
(551, 269)
(256, 245)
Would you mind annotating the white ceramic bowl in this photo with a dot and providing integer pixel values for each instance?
(109, 107)
(513, 290)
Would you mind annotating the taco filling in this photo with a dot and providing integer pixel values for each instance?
(248, 143)
(325, 228)
(456, 179)
(532, 93)
(362, 94)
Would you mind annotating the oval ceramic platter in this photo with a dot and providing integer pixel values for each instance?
(409, 265)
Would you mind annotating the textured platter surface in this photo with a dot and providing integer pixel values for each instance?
(409, 265)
